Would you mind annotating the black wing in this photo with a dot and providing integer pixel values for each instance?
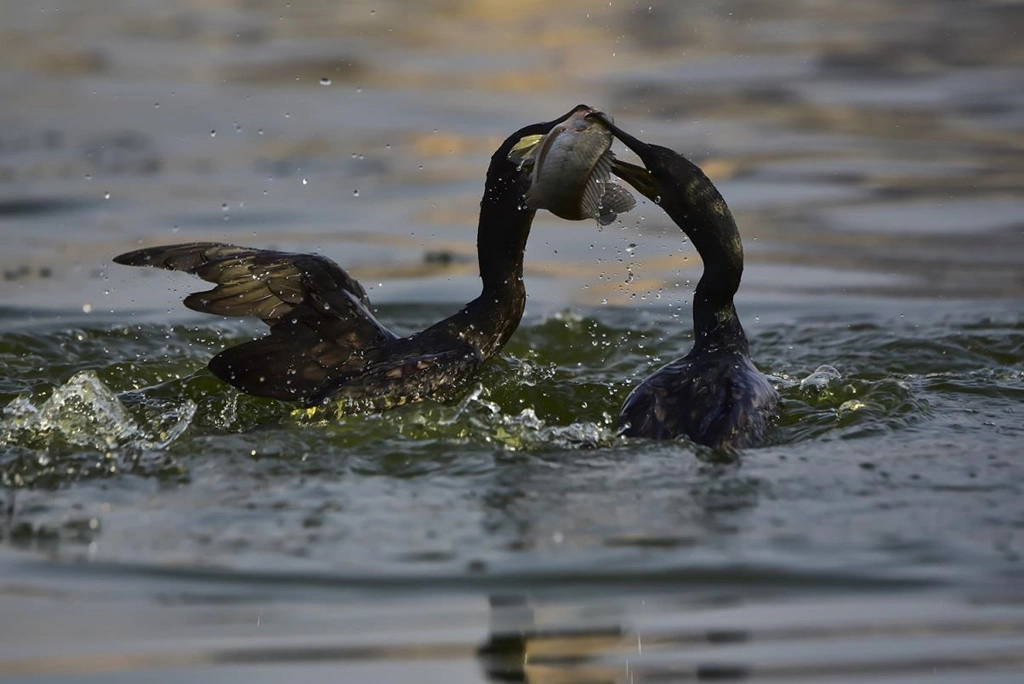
(321, 328)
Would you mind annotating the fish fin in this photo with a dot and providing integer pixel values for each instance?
(616, 199)
(593, 191)
(525, 150)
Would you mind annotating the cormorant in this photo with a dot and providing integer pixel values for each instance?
(714, 395)
(325, 344)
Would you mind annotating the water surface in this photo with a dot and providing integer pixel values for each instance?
(156, 525)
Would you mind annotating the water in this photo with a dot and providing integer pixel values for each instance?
(157, 525)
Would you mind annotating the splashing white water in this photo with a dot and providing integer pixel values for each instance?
(84, 412)
(821, 378)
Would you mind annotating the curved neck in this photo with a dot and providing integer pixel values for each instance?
(488, 321)
(503, 228)
(700, 211)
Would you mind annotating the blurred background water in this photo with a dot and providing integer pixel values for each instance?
(158, 526)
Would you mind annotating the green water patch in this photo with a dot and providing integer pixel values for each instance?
(87, 402)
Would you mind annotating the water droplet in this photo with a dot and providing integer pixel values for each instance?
(355, 193)
(305, 182)
(324, 81)
(213, 133)
(106, 195)
(224, 207)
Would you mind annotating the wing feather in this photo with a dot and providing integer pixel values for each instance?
(321, 327)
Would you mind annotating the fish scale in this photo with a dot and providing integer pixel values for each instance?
(572, 168)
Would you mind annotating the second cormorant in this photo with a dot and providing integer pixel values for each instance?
(714, 395)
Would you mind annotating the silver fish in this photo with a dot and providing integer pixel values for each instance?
(572, 167)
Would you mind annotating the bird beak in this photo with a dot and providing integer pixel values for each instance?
(637, 176)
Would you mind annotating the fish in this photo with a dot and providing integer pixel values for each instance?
(571, 174)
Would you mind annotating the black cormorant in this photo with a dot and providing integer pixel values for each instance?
(325, 344)
(714, 395)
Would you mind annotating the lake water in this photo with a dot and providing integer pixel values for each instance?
(157, 526)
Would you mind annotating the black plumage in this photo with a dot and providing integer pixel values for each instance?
(714, 395)
(325, 344)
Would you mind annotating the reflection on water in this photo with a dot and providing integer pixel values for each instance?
(873, 156)
(723, 624)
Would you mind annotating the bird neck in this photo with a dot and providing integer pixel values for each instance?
(488, 321)
(700, 211)
(503, 229)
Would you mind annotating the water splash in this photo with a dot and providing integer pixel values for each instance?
(474, 419)
(822, 377)
(85, 412)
